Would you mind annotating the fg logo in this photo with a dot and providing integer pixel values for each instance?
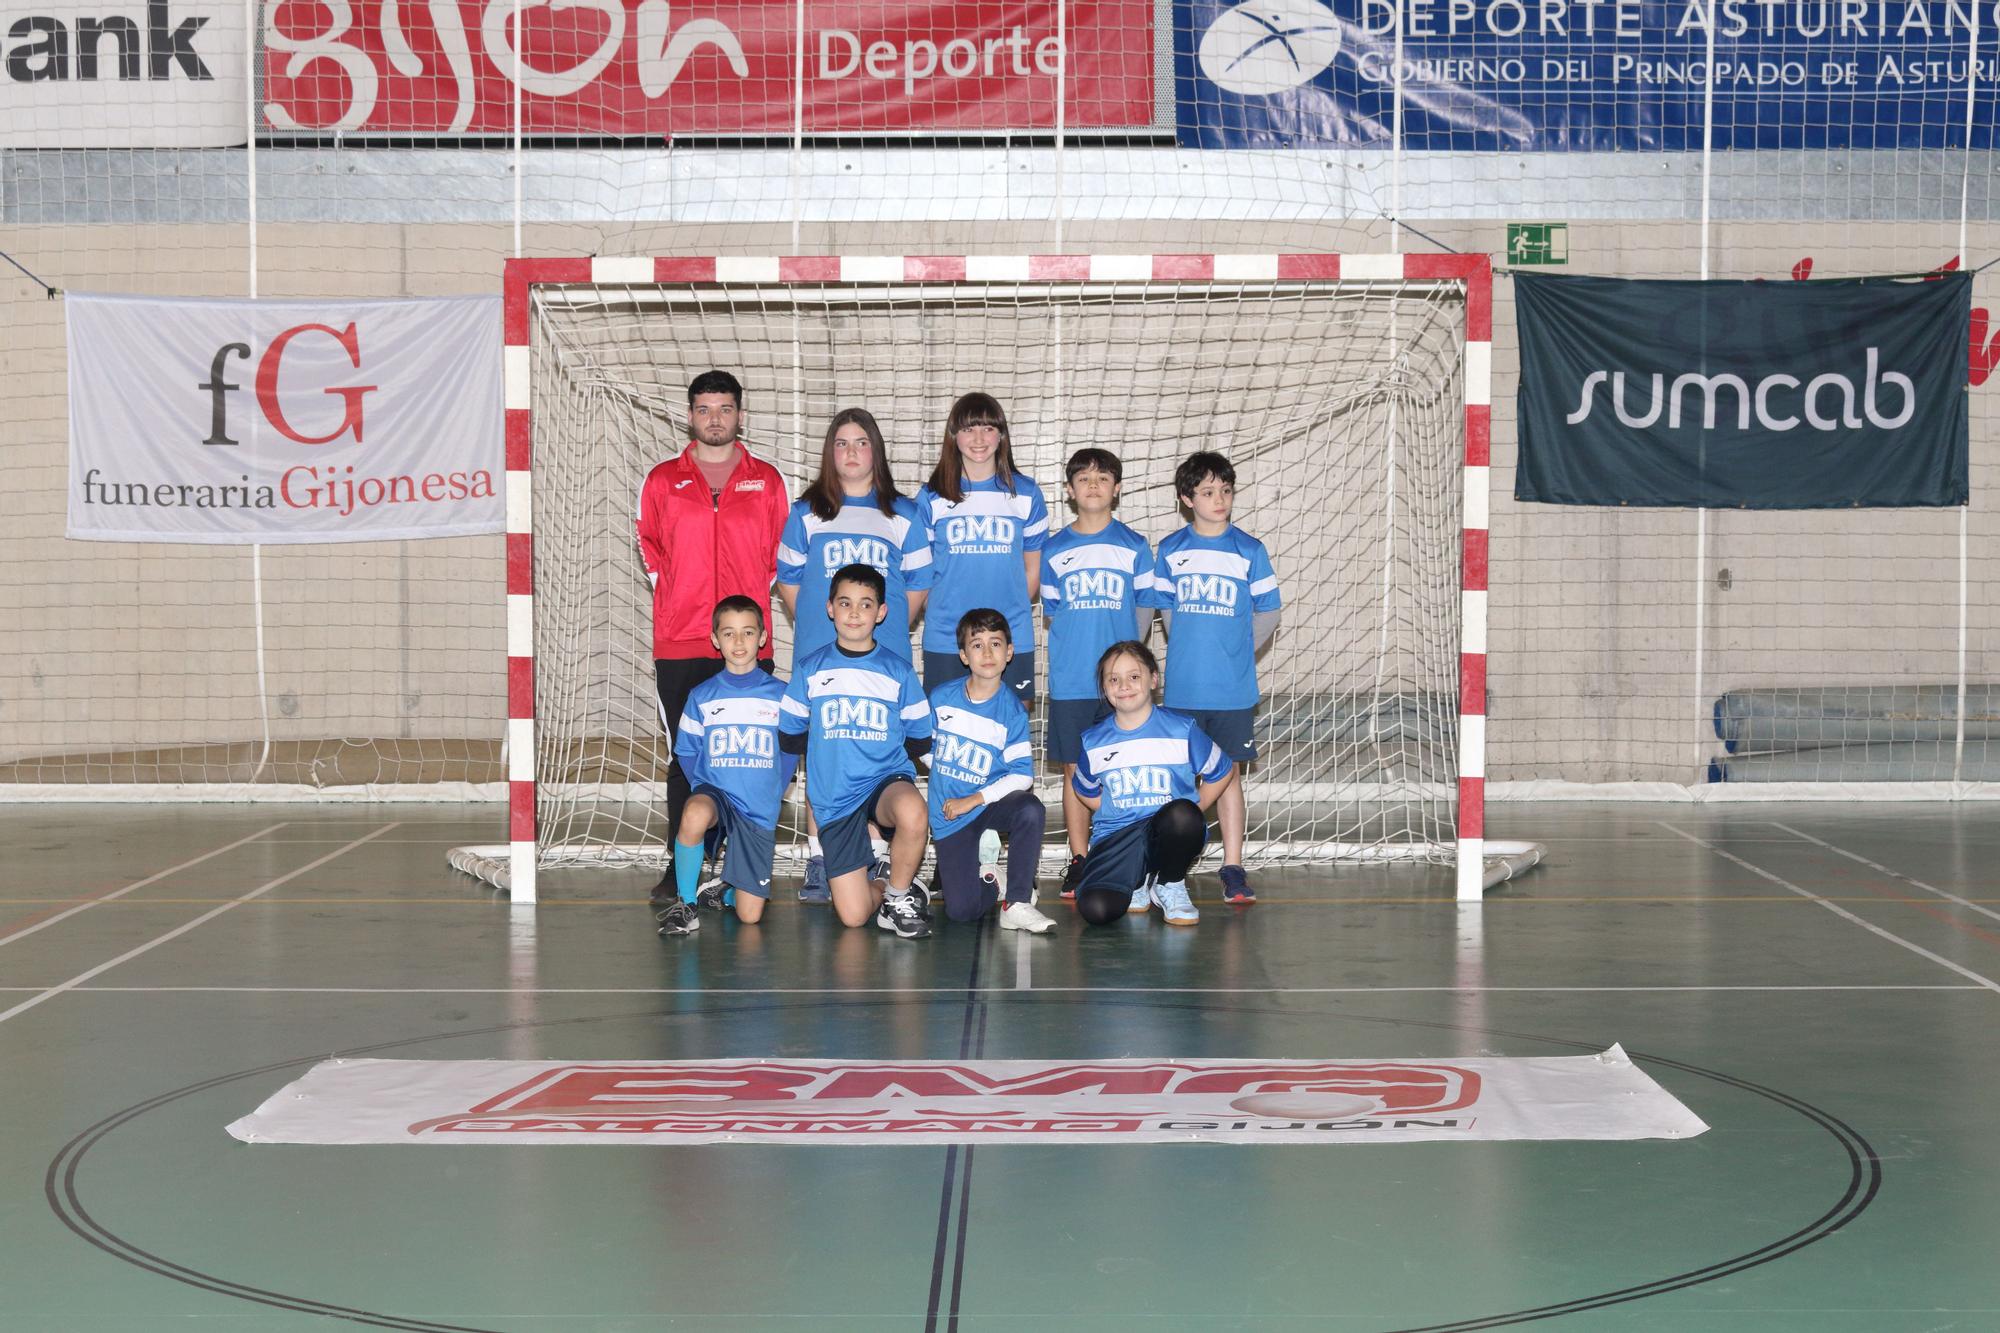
(1262, 47)
(347, 341)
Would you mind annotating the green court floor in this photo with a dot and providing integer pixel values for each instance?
(1817, 982)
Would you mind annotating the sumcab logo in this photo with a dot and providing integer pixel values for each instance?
(1011, 1098)
(654, 67)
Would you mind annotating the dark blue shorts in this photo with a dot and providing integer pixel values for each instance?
(1122, 859)
(1230, 728)
(748, 849)
(1068, 720)
(943, 668)
(843, 840)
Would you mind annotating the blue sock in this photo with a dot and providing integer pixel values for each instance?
(687, 869)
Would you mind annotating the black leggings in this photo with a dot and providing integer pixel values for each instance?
(1174, 836)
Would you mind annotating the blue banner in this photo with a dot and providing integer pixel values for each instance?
(1581, 75)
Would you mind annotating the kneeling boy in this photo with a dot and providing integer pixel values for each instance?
(982, 780)
(728, 747)
(858, 714)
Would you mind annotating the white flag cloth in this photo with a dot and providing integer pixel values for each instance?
(237, 421)
(1600, 1096)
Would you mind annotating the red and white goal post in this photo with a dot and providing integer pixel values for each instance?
(1352, 393)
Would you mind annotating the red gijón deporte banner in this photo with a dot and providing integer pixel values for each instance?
(654, 69)
(237, 421)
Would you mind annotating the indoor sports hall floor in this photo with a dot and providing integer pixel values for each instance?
(1817, 982)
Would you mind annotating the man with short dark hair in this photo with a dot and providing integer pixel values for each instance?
(708, 524)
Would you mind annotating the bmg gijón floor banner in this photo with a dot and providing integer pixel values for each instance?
(233, 421)
(1796, 395)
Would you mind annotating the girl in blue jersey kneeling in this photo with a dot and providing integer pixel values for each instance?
(1147, 775)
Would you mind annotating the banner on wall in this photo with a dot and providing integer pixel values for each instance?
(648, 68)
(123, 74)
(1545, 75)
(788, 1102)
(1793, 395)
(235, 421)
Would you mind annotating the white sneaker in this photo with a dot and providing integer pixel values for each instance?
(1025, 916)
(1142, 897)
(1175, 905)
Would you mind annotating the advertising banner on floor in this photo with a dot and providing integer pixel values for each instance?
(1600, 1096)
(654, 70)
(1793, 395)
(1549, 75)
(235, 421)
(123, 74)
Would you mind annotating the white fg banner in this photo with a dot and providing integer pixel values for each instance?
(1600, 1096)
(240, 421)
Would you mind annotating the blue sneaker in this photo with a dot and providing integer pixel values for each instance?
(814, 888)
(1236, 886)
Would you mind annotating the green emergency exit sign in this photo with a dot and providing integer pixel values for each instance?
(1538, 243)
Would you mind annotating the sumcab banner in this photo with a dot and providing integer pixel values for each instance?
(233, 421)
(648, 68)
(1603, 1096)
(1792, 395)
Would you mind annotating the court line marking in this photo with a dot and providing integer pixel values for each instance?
(1024, 974)
(20, 931)
(1842, 912)
(1893, 874)
(181, 930)
(993, 987)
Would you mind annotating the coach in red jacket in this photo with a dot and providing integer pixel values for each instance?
(708, 529)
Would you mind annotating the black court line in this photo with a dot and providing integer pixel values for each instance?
(975, 1008)
(59, 1185)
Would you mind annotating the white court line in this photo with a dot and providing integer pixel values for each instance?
(1024, 973)
(26, 931)
(993, 987)
(1837, 910)
(1892, 874)
(178, 931)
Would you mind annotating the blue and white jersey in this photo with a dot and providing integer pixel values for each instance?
(812, 548)
(1213, 585)
(729, 740)
(1091, 586)
(855, 712)
(978, 747)
(977, 548)
(1165, 758)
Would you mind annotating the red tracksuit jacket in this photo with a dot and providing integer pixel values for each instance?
(700, 548)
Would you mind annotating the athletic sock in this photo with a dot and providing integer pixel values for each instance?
(687, 869)
(812, 845)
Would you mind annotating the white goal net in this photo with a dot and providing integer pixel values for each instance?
(1341, 403)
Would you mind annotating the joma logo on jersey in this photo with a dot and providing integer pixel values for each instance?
(979, 528)
(870, 551)
(1089, 583)
(754, 741)
(964, 754)
(872, 714)
(1145, 780)
(1213, 589)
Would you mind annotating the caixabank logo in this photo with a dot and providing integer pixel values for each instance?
(1019, 1099)
(205, 419)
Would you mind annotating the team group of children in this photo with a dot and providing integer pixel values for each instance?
(858, 563)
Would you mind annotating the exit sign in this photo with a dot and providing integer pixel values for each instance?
(1538, 242)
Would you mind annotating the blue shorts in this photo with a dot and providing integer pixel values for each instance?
(943, 668)
(1122, 859)
(843, 840)
(748, 848)
(1230, 728)
(1068, 720)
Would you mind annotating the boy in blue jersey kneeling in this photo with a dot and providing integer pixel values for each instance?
(982, 784)
(1218, 594)
(727, 744)
(1147, 774)
(858, 714)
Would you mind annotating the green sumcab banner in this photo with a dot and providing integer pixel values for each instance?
(1757, 395)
